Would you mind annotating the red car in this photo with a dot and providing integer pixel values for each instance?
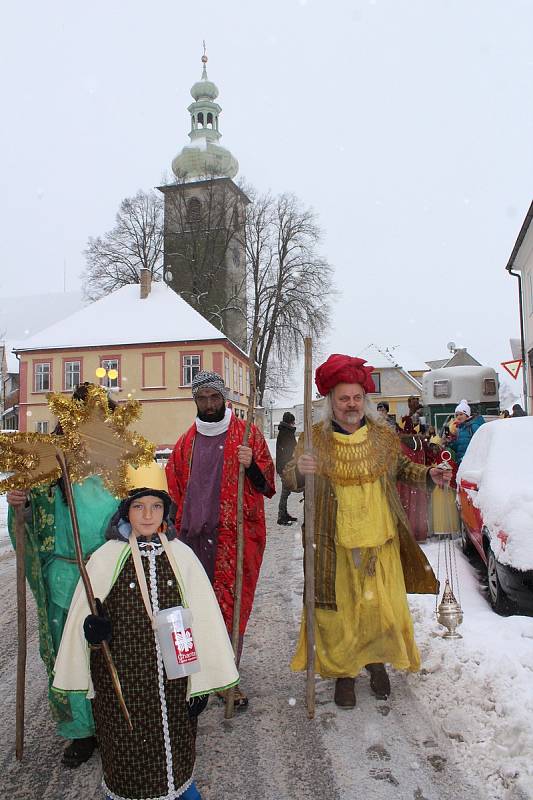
(495, 496)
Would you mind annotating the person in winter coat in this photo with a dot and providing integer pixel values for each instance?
(140, 570)
(466, 425)
(285, 446)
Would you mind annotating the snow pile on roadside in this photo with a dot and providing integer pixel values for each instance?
(498, 460)
(480, 688)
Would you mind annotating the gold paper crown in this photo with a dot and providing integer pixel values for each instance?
(147, 477)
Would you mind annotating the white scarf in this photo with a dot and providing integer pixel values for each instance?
(214, 428)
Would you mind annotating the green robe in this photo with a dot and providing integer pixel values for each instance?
(53, 574)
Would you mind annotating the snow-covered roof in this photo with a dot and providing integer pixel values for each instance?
(24, 316)
(498, 461)
(460, 357)
(383, 357)
(123, 318)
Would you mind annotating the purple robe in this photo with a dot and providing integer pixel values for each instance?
(201, 507)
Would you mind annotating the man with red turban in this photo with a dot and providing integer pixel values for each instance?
(365, 556)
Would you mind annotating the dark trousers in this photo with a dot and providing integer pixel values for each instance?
(282, 508)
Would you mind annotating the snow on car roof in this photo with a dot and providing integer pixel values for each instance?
(499, 461)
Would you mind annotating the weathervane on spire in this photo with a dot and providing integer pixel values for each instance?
(204, 62)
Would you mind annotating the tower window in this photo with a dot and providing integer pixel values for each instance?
(209, 120)
(201, 118)
(194, 210)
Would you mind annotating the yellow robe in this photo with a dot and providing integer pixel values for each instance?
(372, 623)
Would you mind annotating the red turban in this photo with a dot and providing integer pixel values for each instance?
(343, 369)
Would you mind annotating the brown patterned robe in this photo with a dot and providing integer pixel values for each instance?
(156, 759)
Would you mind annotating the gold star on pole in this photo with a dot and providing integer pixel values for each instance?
(94, 440)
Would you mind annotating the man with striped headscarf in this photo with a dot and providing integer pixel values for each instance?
(202, 475)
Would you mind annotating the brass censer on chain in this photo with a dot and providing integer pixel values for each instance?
(449, 611)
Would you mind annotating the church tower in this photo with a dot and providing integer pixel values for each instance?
(205, 257)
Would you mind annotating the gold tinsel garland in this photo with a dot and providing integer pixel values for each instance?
(349, 463)
(29, 459)
(94, 440)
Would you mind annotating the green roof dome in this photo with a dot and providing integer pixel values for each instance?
(199, 161)
(204, 89)
(204, 156)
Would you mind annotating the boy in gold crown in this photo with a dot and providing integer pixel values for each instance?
(142, 569)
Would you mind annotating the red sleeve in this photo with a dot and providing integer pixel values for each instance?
(176, 478)
(263, 459)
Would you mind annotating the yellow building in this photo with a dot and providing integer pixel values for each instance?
(149, 343)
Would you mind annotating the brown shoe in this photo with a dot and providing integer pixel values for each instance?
(379, 680)
(345, 692)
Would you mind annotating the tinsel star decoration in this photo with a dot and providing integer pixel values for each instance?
(94, 439)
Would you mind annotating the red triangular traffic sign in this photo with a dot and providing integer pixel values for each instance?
(512, 367)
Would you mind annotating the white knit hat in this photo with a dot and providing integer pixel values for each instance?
(463, 408)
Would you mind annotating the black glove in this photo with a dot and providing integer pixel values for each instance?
(97, 627)
(197, 705)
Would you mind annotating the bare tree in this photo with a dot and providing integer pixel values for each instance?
(136, 241)
(290, 284)
(230, 260)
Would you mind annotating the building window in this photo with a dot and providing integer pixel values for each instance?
(42, 377)
(227, 377)
(241, 383)
(194, 211)
(376, 377)
(190, 368)
(248, 383)
(235, 377)
(441, 389)
(41, 427)
(71, 375)
(489, 386)
(111, 365)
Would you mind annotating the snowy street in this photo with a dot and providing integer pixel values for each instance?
(458, 729)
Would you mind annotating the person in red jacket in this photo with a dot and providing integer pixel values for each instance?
(202, 475)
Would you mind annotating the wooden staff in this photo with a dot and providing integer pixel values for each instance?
(87, 584)
(20, 544)
(309, 534)
(237, 595)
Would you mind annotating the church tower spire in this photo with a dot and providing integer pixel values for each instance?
(204, 156)
(205, 211)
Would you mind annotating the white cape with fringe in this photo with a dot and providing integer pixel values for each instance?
(218, 670)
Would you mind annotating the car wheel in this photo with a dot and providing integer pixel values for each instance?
(466, 544)
(497, 597)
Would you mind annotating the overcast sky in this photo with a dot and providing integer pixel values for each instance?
(406, 124)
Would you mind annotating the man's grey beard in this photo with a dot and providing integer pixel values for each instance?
(352, 419)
